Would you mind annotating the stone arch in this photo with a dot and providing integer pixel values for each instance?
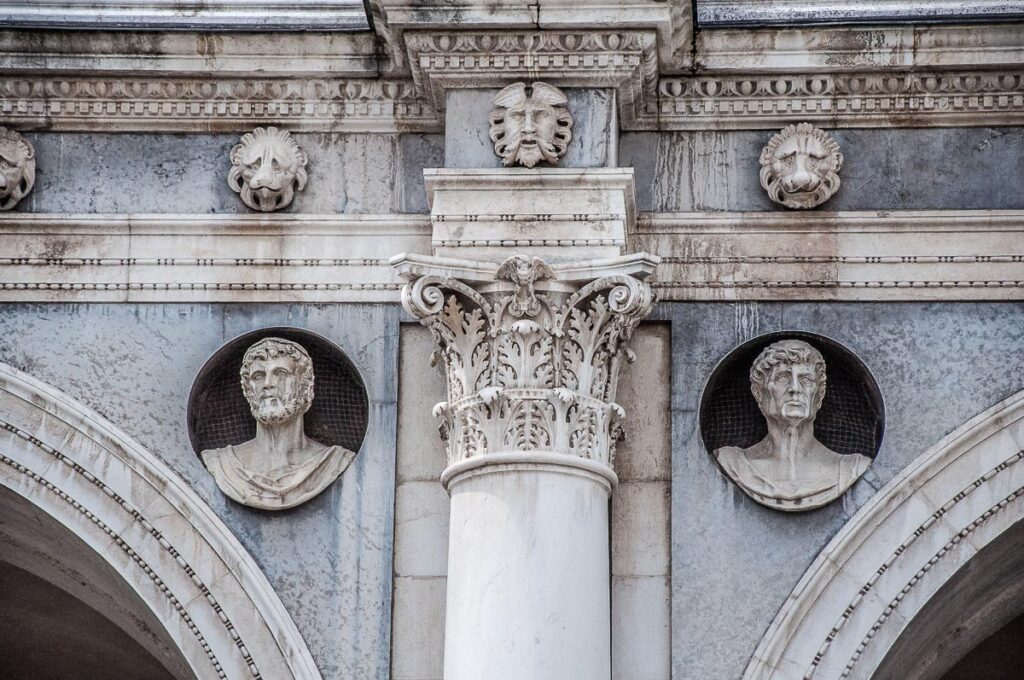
(128, 515)
(879, 574)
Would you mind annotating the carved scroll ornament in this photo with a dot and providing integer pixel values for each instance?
(530, 371)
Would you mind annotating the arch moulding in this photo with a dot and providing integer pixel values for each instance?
(142, 520)
(881, 569)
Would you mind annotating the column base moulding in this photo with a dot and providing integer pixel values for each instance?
(541, 461)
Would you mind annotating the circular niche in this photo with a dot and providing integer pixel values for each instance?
(219, 415)
(851, 418)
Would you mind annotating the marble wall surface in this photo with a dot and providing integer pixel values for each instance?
(329, 560)
(734, 562)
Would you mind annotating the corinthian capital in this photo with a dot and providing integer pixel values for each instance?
(531, 351)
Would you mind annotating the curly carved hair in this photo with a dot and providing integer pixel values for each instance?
(17, 151)
(828, 171)
(517, 93)
(790, 352)
(271, 348)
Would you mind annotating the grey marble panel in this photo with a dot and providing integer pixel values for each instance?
(330, 560)
(165, 173)
(467, 129)
(883, 169)
(734, 562)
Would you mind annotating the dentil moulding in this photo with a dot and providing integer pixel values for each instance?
(800, 166)
(530, 124)
(267, 168)
(17, 168)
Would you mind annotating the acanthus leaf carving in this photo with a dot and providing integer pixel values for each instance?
(528, 371)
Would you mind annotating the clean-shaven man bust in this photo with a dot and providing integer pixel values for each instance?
(789, 469)
(281, 467)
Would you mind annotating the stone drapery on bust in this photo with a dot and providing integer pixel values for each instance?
(800, 166)
(281, 467)
(267, 168)
(530, 124)
(17, 168)
(790, 469)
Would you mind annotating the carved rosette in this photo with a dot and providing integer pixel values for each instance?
(529, 371)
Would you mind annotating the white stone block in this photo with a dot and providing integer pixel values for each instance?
(417, 631)
(421, 529)
(640, 529)
(641, 628)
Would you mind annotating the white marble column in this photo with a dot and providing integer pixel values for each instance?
(532, 355)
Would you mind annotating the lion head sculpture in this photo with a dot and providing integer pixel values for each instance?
(800, 166)
(530, 124)
(17, 168)
(267, 168)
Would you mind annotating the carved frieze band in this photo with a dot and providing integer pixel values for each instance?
(623, 61)
(179, 104)
(889, 99)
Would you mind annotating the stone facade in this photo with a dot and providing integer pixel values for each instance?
(533, 252)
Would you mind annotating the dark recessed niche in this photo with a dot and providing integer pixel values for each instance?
(851, 419)
(218, 413)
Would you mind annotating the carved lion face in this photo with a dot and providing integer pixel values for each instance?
(529, 125)
(17, 168)
(800, 166)
(267, 168)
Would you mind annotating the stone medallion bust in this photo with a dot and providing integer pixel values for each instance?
(281, 467)
(790, 469)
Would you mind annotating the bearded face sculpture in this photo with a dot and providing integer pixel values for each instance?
(800, 166)
(267, 168)
(17, 168)
(530, 124)
(282, 466)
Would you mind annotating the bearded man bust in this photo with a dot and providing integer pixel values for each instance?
(281, 467)
(790, 469)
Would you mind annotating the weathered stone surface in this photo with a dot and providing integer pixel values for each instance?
(735, 562)
(339, 592)
(162, 173)
(949, 169)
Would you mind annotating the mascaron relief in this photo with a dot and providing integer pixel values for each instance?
(790, 469)
(267, 168)
(526, 370)
(281, 467)
(530, 124)
(17, 168)
(800, 166)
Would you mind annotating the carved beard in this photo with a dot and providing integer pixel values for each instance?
(275, 412)
(532, 154)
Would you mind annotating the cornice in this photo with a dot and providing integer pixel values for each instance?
(192, 82)
(625, 61)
